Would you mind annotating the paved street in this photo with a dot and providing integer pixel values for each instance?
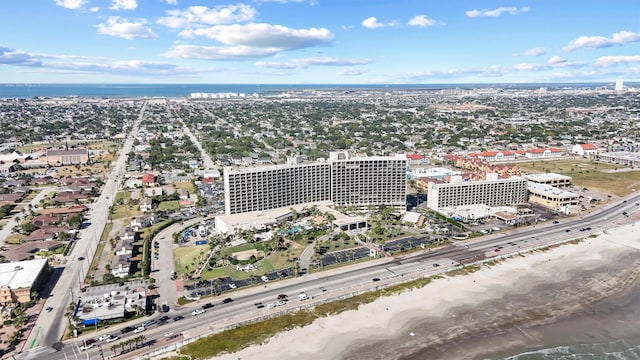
(53, 324)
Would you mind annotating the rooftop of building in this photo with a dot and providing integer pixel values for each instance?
(548, 190)
(625, 155)
(20, 274)
(546, 177)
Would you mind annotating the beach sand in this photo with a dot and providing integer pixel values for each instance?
(453, 317)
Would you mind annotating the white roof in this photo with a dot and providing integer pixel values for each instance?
(546, 177)
(20, 274)
(548, 190)
(411, 217)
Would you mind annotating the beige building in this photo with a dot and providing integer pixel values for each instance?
(551, 179)
(552, 197)
(67, 157)
(19, 279)
(495, 192)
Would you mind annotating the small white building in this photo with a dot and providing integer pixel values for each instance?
(584, 149)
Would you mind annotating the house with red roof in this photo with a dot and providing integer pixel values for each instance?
(148, 179)
(584, 149)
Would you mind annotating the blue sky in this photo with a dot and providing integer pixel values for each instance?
(319, 41)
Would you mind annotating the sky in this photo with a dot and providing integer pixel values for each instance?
(319, 41)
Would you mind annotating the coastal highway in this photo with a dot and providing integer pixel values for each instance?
(332, 284)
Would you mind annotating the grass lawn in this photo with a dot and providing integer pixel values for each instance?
(187, 257)
(125, 196)
(125, 211)
(186, 185)
(147, 231)
(169, 205)
(591, 175)
(275, 261)
(13, 239)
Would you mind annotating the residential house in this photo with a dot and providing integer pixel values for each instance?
(146, 204)
(142, 222)
(122, 266)
(148, 180)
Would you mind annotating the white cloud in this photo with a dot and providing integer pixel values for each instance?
(326, 61)
(556, 60)
(372, 23)
(276, 65)
(264, 36)
(318, 61)
(607, 61)
(534, 52)
(10, 56)
(71, 4)
(497, 12)
(421, 21)
(595, 42)
(171, 2)
(219, 53)
(123, 28)
(529, 67)
(198, 16)
(124, 4)
(351, 72)
(62, 64)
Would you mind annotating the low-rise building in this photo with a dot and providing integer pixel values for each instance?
(67, 157)
(552, 197)
(551, 179)
(19, 279)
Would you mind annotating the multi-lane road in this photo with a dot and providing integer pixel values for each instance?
(328, 285)
(50, 326)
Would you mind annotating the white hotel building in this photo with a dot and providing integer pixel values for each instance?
(343, 180)
(491, 192)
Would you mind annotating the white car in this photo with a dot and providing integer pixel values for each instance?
(233, 286)
(139, 329)
(112, 339)
(197, 312)
(104, 337)
(86, 347)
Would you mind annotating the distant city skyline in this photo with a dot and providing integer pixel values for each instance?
(318, 41)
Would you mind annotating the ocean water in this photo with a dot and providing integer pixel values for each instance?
(587, 314)
(605, 331)
(182, 90)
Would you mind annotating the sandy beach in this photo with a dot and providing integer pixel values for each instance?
(453, 316)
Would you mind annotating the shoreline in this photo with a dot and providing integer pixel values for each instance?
(451, 310)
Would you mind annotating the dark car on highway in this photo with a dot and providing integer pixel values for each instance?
(207, 306)
(375, 279)
(177, 318)
(128, 329)
(227, 300)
